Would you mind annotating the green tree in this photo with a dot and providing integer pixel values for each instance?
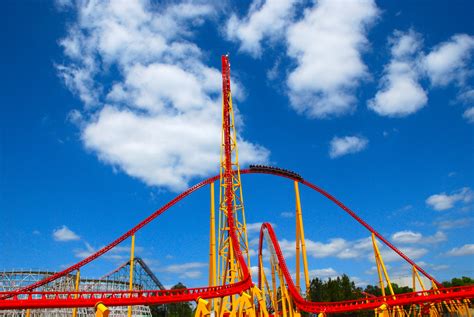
(179, 309)
(463, 281)
(338, 289)
(375, 290)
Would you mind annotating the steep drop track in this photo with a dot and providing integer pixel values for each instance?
(28, 298)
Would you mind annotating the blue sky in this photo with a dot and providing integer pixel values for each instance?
(110, 110)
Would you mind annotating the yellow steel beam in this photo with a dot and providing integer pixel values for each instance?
(202, 309)
(378, 264)
(299, 219)
(212, 246)
(130, 282)
(259, 295)
(274, 286)
(101, 310)
(298, 242)
(76, 288)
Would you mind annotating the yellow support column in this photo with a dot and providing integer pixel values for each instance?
(299, 221)
(212, 245)
(466, 303)
(298, 243)
(380, 264)
(275, 289)
(27, 313)
(202, 309)
(284, 299)
(260, 296)
(101, 310)
(76, 288)
(130, 283)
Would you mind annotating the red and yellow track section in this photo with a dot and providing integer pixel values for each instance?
(28, 298)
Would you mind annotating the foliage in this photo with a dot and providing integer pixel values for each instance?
(175, 309)
(463, 281)
(340, 288)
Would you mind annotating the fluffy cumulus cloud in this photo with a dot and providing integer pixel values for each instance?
(266, 19)
(412, 252)
(254, 228)
(116, 254)
(65, 234)
(453, 223)
(444, 201)
(408, 237)
(327, 45)
(159, 120)
(340, 146)
(323, 273)
(449, 61)
(469, 115)
(400, 93)
(361, 248)
(336, 247)
(466, 249)
(287, 214)
(191, 270)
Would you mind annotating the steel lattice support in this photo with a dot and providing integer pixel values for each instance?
(231, 203)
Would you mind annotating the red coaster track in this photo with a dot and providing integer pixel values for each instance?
(28, 298)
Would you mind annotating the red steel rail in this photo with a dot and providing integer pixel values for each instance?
(27, 298)
(429, 296)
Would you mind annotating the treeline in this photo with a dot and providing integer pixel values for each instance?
(173, 310)
(342, 288)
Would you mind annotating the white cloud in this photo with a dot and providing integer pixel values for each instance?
(336, 247)
(453, 223)
(340, 146)
(84, 253)
(254, 272)
(323, 273)
(469, 115)
(321, 250)
(159, 121)
(466, 249)
(408, 281)
(265, 19)
(400, 93)
(445, 201)
(65, 234)
(466, 96)
(389, 255)
(118, 253)
(327, 45)
(440, 267)
(177, 268)
(356, 249)
(255, 227)
(407, 236)
(191, 270)
(449, 61)
(287, 214)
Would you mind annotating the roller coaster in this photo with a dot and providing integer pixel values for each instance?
(231, 291)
